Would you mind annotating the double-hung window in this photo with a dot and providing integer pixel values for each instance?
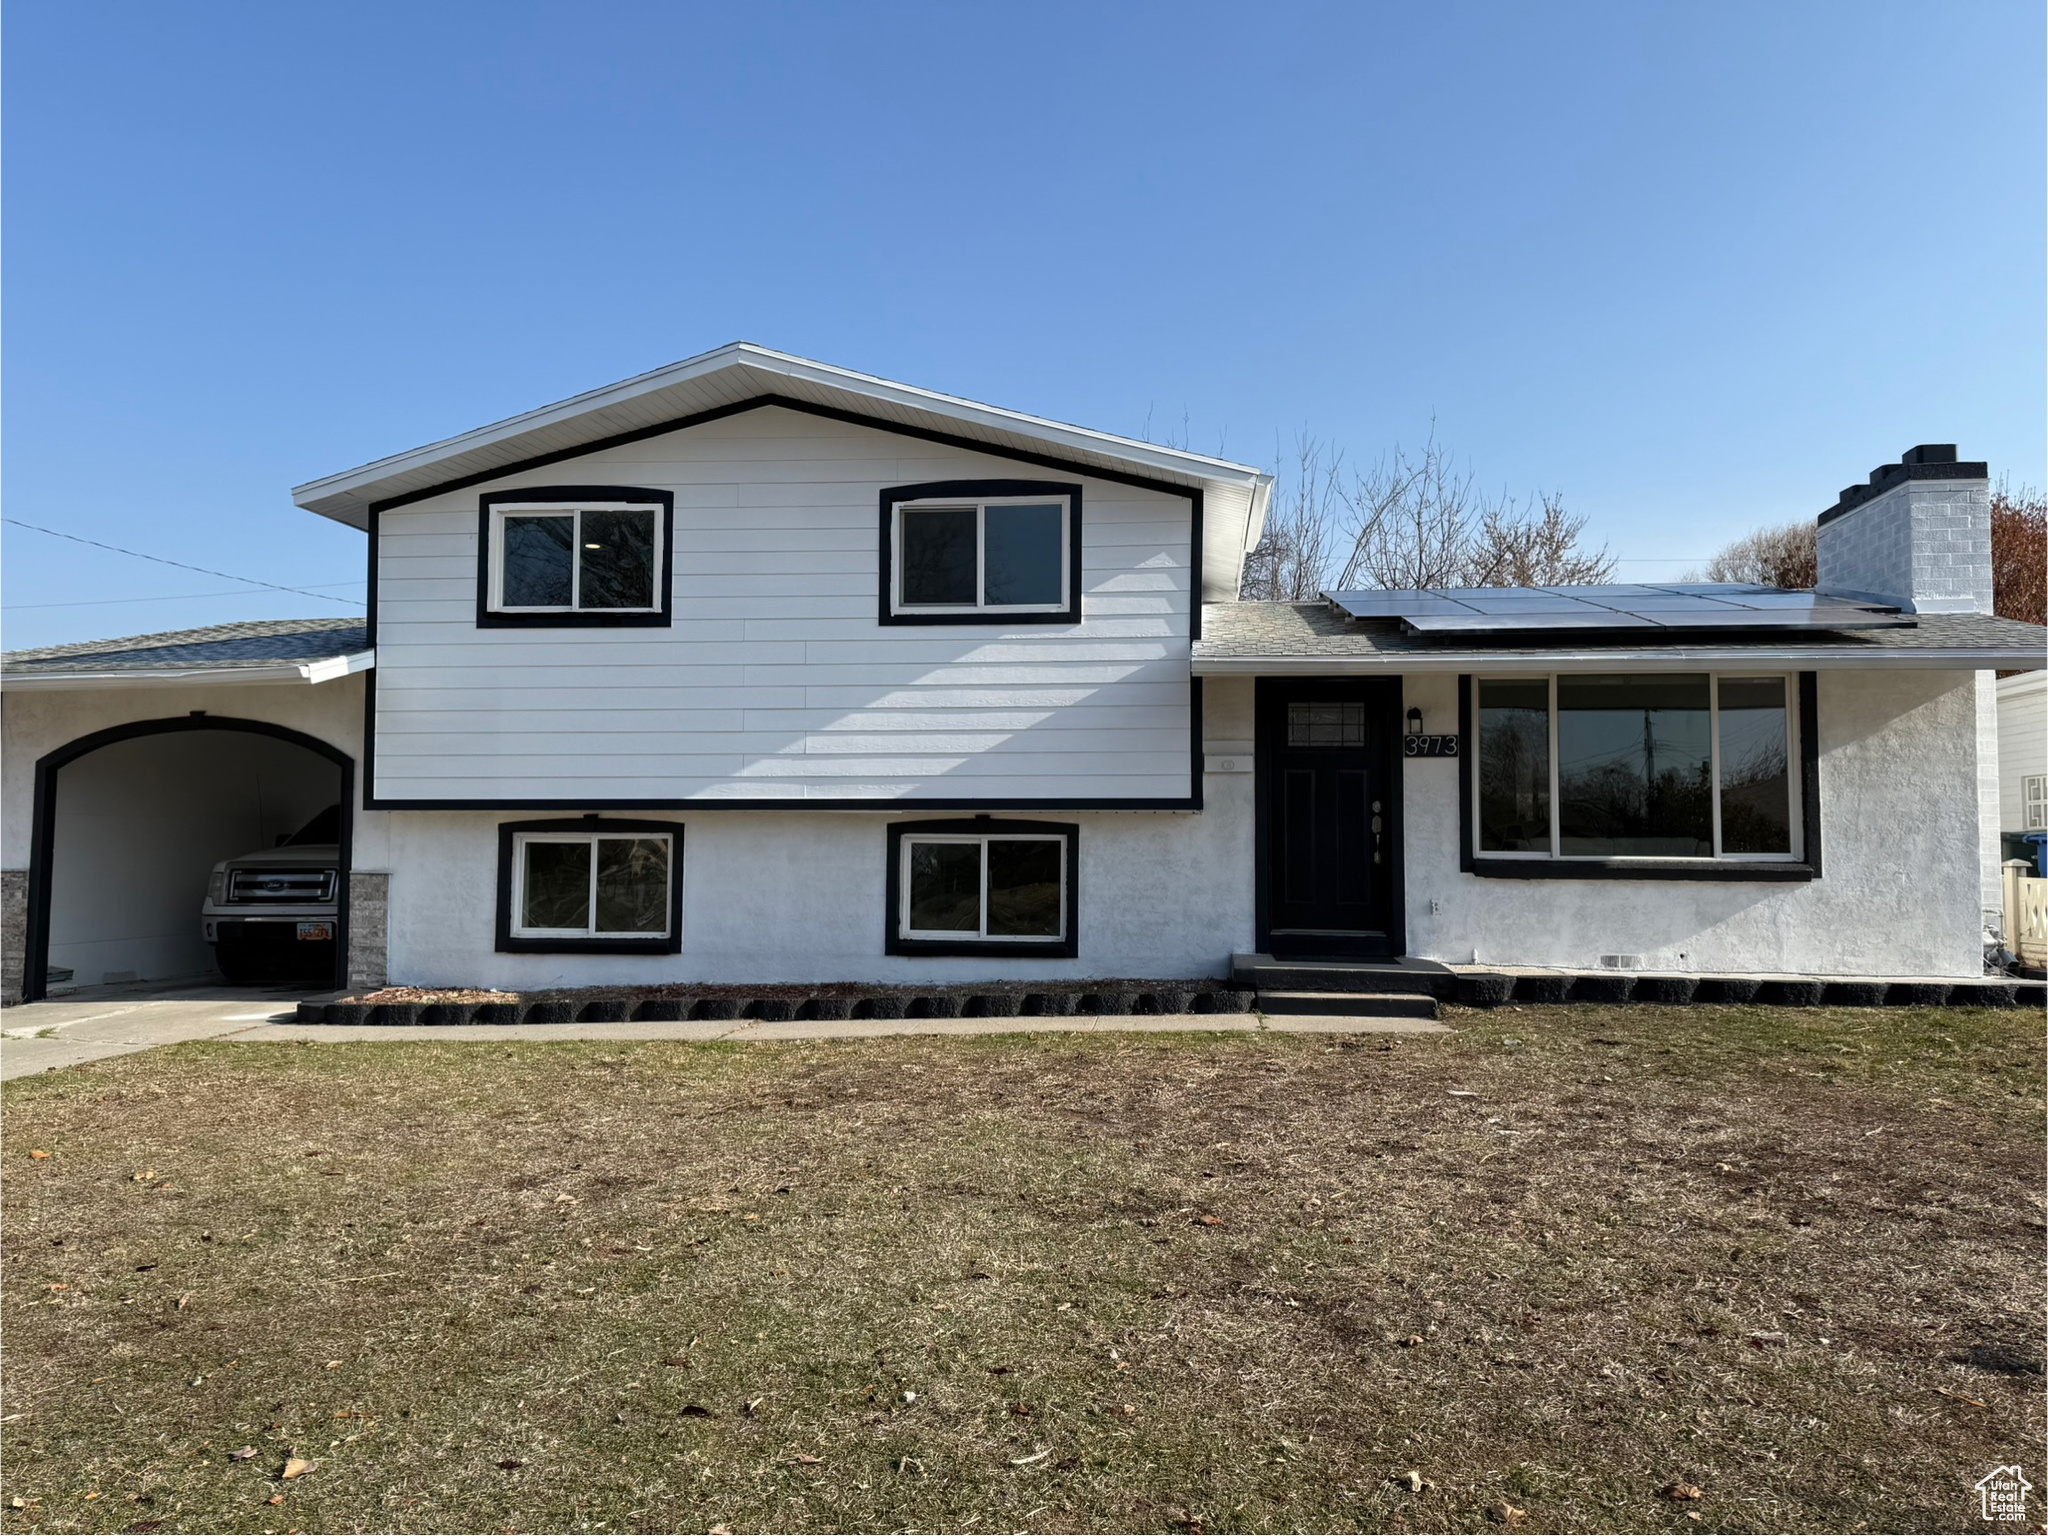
(575, 555)
(1651, 766)
(973, 887)
(591, 885)
(988, 551)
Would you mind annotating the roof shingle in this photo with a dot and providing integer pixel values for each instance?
(215, 647)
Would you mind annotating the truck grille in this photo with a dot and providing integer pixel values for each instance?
(300, 885)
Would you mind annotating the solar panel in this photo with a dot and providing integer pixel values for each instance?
(1622, 605)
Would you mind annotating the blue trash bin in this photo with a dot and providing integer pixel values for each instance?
(2040, 842)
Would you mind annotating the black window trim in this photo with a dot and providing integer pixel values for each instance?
(568, 497)
(509, 943)
(893, 496)
(1065, 948)
(1752, 871)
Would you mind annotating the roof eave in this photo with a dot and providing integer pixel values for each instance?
(346, 496)
(323, 669)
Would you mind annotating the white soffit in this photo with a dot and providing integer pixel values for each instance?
(1234, 494)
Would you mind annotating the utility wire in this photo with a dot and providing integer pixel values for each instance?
(171, 597)
(181, 565)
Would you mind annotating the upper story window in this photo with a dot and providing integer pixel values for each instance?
(575, 555)
(981, 552)
(1658, 766)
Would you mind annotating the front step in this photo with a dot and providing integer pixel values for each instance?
(1350, 1005)
(1263, 974)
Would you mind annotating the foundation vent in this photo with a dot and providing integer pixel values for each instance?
(1622, 962)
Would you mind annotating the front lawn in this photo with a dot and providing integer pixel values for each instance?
(1554, 1265)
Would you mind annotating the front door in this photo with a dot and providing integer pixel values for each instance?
(1329, 822)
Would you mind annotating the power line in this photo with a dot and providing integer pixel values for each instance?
(174, 597)
(320, 597)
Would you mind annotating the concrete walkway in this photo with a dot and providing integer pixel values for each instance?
(40, 1037)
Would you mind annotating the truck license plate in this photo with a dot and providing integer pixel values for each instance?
(316, 930)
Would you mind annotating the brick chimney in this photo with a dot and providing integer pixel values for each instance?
(1918, 535)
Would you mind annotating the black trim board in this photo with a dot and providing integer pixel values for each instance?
(670, 944)
(1194, 495)
(584, 618)
(1068, 948)
(978, 490)
(1726, 871)
(42, 836)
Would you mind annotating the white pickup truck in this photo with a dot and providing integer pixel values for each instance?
(270, 915)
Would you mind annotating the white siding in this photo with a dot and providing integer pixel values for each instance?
(2022, 742)
(775, 681)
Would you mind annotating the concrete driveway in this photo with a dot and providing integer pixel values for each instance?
(112, 1021)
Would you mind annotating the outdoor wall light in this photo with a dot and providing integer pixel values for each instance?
(1414, 722)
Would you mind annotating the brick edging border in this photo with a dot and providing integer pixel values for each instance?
(1492, 990)
(903, 1003)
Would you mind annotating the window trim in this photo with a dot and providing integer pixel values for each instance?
(981, 494)
(1802, 796)
(494, 506)
(514, 835)
(981, 829)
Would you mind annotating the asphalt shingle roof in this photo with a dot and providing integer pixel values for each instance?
(1273, 631)
(216, 647)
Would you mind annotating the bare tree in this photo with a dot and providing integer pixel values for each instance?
(1291, 562)
(2019, 554)
(1413, 520)
(1783, 556)
(1536, 548)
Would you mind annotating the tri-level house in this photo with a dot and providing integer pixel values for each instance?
(754, 669)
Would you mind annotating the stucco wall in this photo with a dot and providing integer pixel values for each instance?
(1900, 835)
(35, 722)
(801, 896)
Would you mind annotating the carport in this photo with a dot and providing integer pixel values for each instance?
(154, 759)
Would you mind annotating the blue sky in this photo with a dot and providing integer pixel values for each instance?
(1697, 267)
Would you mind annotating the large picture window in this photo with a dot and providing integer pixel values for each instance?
(981, 551)
(981, 886)
(574, 555)
(589, 885)
(1647, 766)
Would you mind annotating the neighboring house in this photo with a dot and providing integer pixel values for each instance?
(2022, 756)
(755, 669)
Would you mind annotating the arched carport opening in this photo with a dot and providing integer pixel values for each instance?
(129, 823)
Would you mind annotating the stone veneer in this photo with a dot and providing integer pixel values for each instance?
(13, 935)
(369, 897)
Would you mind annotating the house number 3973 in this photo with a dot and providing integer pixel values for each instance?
(1429, 746)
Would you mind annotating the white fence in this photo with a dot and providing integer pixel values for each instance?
(2026, 915)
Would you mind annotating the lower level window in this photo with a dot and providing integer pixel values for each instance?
(975, 886)
(1635, 766)
(608, 886)
(616, 886)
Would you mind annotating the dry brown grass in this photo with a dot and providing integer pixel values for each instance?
(972, 1284)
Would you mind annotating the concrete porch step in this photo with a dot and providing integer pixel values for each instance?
(1263, 973)
(1354, 1005)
